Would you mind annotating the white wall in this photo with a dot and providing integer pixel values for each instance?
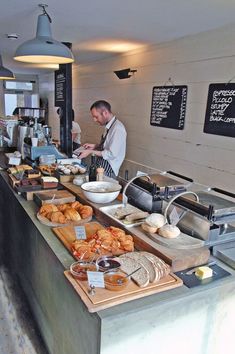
(195, 61)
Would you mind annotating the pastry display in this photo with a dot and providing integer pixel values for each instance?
(108, 241)
(71, 169)
(47, 169)
(65, 213)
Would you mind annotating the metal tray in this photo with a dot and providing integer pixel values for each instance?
(110, 211)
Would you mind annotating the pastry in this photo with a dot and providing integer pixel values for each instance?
(72, 214)
(58, 217)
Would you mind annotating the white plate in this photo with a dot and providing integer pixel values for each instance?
(110, 211)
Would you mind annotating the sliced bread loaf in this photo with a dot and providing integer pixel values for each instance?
(163, 268)
(128, 265)
(146, 263)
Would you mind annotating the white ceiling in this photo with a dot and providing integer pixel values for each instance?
(99, 28)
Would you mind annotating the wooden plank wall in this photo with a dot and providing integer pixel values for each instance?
(195, 61)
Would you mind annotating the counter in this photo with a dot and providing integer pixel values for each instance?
(195, 321)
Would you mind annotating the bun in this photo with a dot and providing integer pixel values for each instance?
(72, 214)
(156, 220)
(169, 231)
(151, 229)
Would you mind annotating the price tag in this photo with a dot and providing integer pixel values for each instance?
(96, 279)
(80, 232)
(174, 217)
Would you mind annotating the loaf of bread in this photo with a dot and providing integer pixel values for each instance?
(163, 267)
(169, 231)
(128, 265)
(146, 263)
(72, 214)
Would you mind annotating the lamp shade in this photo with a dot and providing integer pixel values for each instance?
(5, 74)
(43, 48)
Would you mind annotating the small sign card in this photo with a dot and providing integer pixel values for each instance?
(80, 232)
(96, 279)
(174, 217)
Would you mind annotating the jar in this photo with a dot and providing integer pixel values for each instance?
(99, 174)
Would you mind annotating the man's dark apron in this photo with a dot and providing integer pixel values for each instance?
(100, 161)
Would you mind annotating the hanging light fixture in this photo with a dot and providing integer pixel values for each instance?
(5, 74)
(43, 48)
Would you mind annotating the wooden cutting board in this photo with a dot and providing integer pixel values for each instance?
(58, 197)
(67, 235)
(182, 241)
(103, 298)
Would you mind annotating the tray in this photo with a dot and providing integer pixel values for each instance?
(66, 234)
(103, 298)
(58, 197)
(47, 222)
(111, 209)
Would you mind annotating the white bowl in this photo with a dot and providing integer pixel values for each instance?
(101, 191)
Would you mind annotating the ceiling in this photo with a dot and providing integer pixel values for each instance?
(100, 28)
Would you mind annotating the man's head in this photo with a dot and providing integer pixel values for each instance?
(101, 112)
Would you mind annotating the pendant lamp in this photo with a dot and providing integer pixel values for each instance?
(5, 74)
(43, 48)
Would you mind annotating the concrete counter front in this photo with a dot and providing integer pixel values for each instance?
(185, 321)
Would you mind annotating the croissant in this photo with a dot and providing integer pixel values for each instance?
(76, 205)
(85, 211)
(58, 216)
(47, 208)
(63, 207)
(72, 214)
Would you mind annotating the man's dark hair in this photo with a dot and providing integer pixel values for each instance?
(101, 104)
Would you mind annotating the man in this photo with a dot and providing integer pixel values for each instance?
(111, 150)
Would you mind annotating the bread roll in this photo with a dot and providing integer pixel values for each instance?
(155, 220)
(72, 214)
(169, 231)
(151, 229)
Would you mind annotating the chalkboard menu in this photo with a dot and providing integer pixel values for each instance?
(220, 110)
(60, 87)
(168, 106)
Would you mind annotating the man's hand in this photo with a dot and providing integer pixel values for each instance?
(85, 153)
(89, 146)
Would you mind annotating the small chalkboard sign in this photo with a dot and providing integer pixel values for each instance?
(60, 87)
(220, 110)
(169, 106)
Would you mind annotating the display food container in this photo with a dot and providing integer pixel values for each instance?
(101, 191)
(115, 280)
(107, 263)
(79, 269)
